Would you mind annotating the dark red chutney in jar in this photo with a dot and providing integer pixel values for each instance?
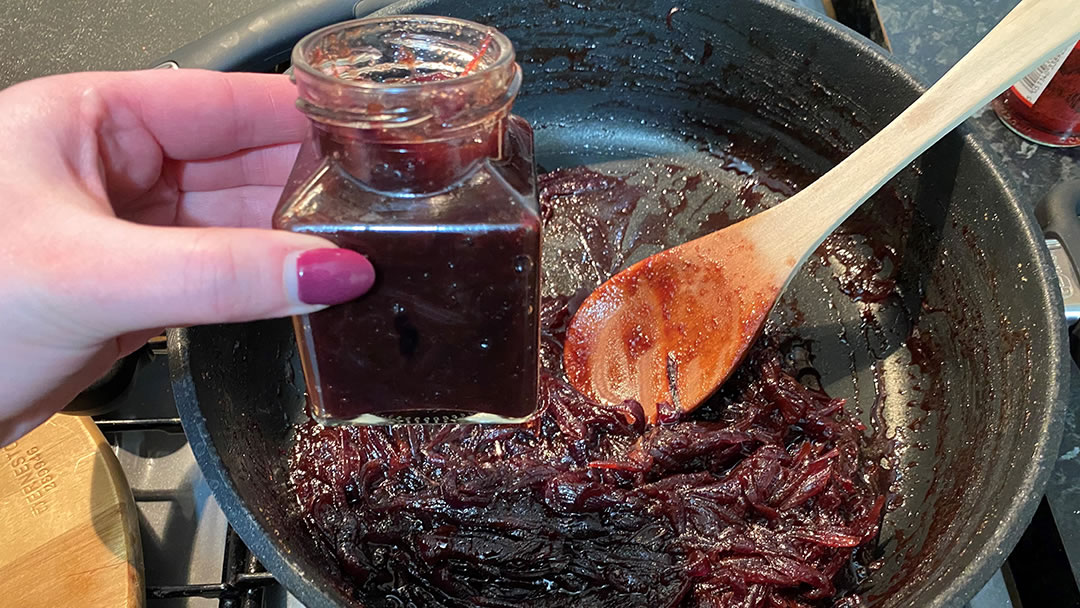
(415, 161)
(760, 498)
(1044, 107)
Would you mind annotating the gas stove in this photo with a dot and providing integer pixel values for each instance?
(194, 559)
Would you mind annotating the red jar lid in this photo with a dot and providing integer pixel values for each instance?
(1044, 106)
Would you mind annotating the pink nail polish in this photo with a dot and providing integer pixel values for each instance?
(332, 276)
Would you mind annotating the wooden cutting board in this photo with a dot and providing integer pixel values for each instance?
(69, 531)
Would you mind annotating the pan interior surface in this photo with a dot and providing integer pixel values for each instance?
(928, 311)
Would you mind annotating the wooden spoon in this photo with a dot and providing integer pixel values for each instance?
(670, 329)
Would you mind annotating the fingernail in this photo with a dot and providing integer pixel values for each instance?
(332, 276)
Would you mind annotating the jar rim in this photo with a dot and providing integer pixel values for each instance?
(301, 63)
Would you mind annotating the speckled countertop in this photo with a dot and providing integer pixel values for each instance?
(49, 36)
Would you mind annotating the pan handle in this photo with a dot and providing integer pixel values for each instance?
(264, 39)
(1058, 216)
(101, 396)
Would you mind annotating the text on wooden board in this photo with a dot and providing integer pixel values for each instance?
(32, 475)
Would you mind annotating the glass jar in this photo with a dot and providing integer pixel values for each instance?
(414, 160)
(1044, 107)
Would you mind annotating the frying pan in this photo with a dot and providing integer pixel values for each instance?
(959, 368)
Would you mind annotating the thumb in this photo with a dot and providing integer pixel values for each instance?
(169, 276)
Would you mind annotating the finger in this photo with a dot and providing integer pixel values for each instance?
(265, 166)
(230, 112)
(111, 132)
(149, 277)
(133, 341)
(243, 207)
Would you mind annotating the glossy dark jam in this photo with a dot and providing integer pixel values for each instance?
(451, 324)
(758, 498)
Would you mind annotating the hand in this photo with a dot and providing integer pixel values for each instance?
(115, 193)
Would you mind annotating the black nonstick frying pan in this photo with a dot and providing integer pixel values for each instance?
(942, 325)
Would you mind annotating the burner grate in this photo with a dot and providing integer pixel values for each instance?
(243, 578)
(167, 425)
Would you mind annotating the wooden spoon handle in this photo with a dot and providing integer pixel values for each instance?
(1029, 35)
